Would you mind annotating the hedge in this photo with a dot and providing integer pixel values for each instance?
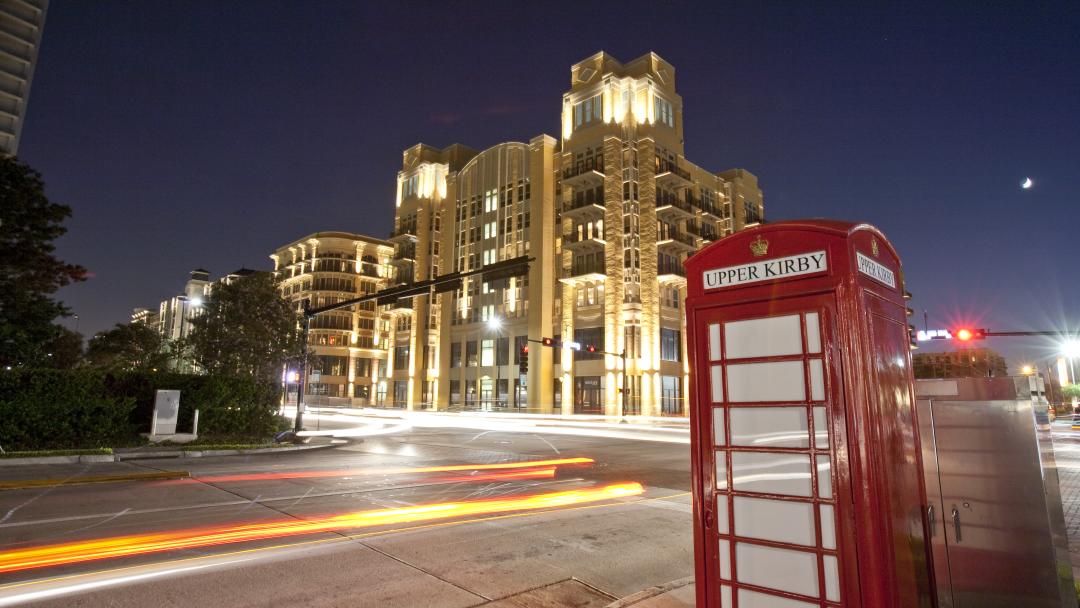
(68, 409)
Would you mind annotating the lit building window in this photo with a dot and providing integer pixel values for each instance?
(662, 111)
(589, 111)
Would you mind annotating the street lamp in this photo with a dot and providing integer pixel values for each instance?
(1071, 350)
(494, 324)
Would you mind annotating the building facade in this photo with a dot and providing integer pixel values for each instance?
(21, 24)
(962, 363)
(347, 348)
(608, 212)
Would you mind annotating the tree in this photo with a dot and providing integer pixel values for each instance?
(128, 347)
(29, 271)
(66, 349)
(1071, 391)
(246, 328)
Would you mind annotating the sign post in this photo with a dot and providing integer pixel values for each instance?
(807, 476)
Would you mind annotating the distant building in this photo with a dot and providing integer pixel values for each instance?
(174, 315)
(21, 23)
(963, 363)
(348, 346)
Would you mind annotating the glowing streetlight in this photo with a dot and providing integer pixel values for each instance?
(196, 302)
(494, 323)
(1027, 370)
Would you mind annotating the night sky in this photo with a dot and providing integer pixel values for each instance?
(206, 134)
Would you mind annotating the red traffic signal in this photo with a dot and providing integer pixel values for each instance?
(967, 334)
(590, 348)
(525, 349)
(547, 342)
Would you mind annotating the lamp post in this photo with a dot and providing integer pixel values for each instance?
(495, 324)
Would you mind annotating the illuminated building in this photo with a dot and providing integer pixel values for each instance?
(609, 211)
(346, 346)
(21, 22)
(962, 363)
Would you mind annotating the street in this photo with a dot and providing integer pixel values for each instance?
(424, 516)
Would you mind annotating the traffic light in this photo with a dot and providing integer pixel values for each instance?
(523, 360)
(548, 342)
(590, 348)
(967, 334)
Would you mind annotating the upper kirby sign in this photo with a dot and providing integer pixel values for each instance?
(790, 266)
(767, 270)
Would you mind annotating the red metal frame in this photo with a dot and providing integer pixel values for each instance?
(878, 495)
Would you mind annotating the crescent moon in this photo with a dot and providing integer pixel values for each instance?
(1027, 183)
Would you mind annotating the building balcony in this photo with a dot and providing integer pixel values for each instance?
(584, 273)
(584, 241)
(585, 174)
(676, 241)
(672, 177)
(667, 274)
(584, 209)
(702, 232)
(403, 235)
(673, 210)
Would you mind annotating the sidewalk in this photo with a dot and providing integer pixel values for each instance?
(1067, 456)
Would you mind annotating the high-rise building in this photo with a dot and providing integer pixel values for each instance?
(608, 211)
(346, 347)
(21, 22)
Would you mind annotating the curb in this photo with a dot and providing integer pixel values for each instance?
(651, 592)
(46, 483)
(208, 453)
(12, 462)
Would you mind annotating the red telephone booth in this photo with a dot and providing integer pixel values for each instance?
(807, 474)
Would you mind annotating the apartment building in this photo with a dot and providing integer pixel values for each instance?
(609, 211)
(21, 25)
(347, 347)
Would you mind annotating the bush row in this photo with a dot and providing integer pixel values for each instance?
(57, 409)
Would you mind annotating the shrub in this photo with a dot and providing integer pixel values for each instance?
(46, 409)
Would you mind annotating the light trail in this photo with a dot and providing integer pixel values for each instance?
(502, 466)
(143, 544)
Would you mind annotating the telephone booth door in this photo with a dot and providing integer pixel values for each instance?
(773, 437)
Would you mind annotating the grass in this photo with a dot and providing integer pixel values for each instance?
(43, 453)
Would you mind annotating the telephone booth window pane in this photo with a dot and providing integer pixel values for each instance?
(714, 342)
(817, 381)
(776, 568)
(765, 427)
(821, 429)
(722, 513)
(779, 520)
(725, 559)
(725, 596)
(721, 470)
(718, 426)
(776, 381)
(813, 333)
(828, 527)
(771, 472)
(716, 382)
(753, 599)
(768, 337)
(832, 579)
(824, 477)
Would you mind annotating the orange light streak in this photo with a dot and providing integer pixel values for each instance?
(390, 471)
(126, 546)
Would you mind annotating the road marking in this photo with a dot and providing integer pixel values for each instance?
(72, 481)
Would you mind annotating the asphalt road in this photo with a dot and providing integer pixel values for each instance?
(358, 524)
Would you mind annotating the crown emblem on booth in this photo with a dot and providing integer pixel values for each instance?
(873, 247)
(759, 247)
